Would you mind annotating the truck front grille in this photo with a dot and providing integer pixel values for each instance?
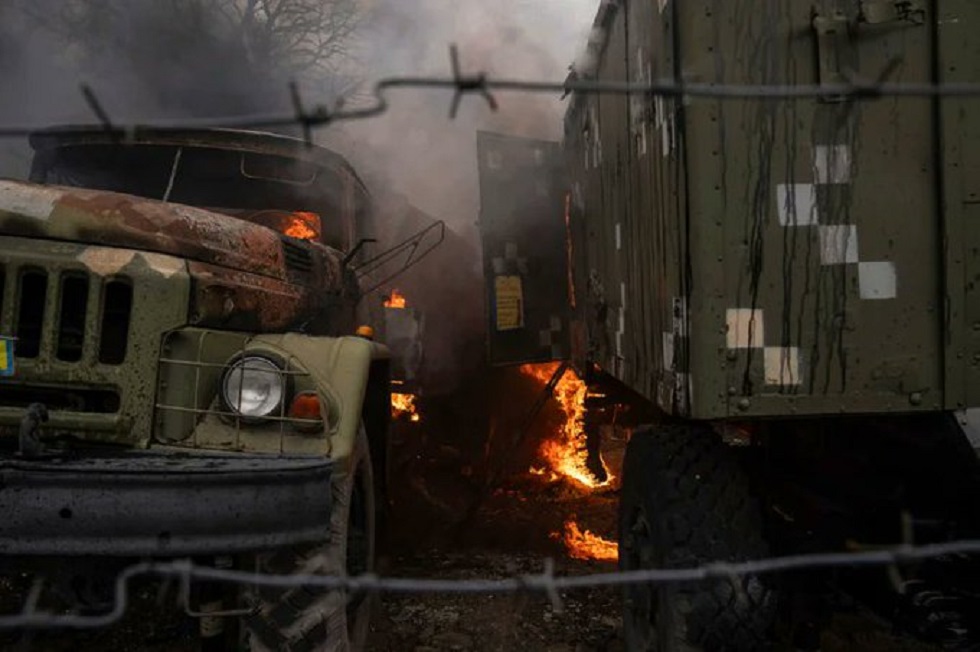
(65, 397)
(299, 260)
(117, 309)
(87, 324)
(71, 318)
(31, 299)
(53, 315)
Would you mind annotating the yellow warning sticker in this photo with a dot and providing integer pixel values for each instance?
(6, 356)
(509, 293)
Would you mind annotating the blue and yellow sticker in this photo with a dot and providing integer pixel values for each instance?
(6, 356)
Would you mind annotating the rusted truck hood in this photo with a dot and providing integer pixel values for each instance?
(117, 220)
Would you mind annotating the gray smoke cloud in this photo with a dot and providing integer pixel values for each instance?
(149, 60)
(416, 151)
(421, 153)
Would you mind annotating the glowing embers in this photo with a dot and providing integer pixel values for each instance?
(302, 225)
(403, 405)
(583, 544)
(395, 300)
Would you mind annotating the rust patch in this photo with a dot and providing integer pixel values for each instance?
(230, 299)
(125, 221)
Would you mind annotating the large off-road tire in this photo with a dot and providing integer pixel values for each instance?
(316, 620)
(685, 502)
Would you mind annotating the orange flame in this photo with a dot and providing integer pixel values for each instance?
(303, 225)
(396, 300)
(565, 453)
(586, 545)
(404, 404)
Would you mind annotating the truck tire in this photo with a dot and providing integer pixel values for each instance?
(308, 619)
(684, 503)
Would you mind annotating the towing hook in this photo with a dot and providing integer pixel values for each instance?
(30, 425)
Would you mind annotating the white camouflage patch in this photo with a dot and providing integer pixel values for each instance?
(27, 200)
(745, 328)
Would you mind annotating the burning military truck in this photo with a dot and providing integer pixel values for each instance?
(190, 369)
(789, 283)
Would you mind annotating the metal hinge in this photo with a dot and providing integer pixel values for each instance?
(879, 12)
(834, 50)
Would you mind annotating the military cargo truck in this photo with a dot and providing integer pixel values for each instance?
(184, 374)
(791, 282)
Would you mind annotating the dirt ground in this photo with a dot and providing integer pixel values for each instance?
(516, 526)
(511, 534)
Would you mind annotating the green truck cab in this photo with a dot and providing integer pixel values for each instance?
(183, 374)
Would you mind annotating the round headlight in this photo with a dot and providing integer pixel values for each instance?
(253, 386)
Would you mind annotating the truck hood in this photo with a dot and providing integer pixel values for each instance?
(117, 220)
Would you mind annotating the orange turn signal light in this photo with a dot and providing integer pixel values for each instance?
(365, 331)
(306, 406)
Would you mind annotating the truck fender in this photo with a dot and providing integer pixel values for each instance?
(342, 367)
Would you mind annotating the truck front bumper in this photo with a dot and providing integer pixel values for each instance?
(162, 505)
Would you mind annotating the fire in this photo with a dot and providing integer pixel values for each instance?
(404, 404)
(543, 472)
(401, 404)
(303, 225)
(586, 545)
(396, 300)
(565, 452)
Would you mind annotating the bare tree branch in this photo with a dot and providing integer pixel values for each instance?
(275, 40)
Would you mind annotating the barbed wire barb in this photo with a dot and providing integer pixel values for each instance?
(481, 83)
(319, 117)
(548, 578)
(464, 84)
(546, 582)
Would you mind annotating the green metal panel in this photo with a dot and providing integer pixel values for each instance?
(959, 61)
(772, 257)
(828, 215)
(613, 172)
(524, 249)
(634, 208)
(647, 300)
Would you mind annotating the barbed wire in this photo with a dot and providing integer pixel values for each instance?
(481, 84)
(546, 583)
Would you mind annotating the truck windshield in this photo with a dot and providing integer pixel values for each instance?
(241, 184)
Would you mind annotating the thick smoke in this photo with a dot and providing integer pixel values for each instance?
(415, 150)
(420, 152)
(149, 60)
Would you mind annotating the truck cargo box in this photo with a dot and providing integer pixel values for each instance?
(760, 257)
